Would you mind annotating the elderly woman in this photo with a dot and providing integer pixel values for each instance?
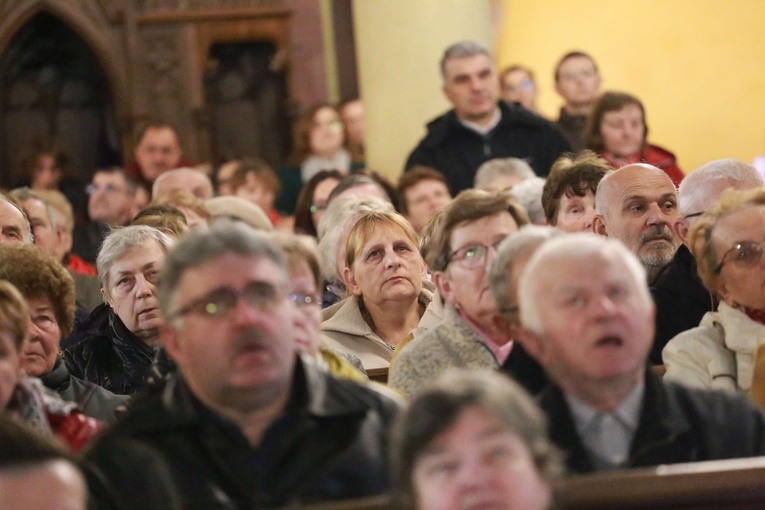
(25, 397)
(727, 245)
(384, 274)
(122, 334)
(458, 253)
(333, 228)
(49, 292)
(473, 439)
(618, 132)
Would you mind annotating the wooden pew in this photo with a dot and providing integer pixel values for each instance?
(716, 485)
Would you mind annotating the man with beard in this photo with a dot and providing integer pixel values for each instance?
(481, 127)
(637, 204)
(245, 422)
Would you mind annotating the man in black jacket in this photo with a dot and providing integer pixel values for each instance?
(245, 423)
(480, 127)
(681, 299)
(588, 319)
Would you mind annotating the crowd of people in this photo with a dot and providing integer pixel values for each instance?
(531, 300)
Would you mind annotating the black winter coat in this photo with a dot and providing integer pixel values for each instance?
(677, 424)
(457, 151)
(110, 355)
(171, 452)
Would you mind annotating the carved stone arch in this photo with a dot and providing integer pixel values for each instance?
(94, 32)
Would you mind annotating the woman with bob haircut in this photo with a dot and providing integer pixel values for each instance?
(726, 242)
(473, 439)
(384, 274)
(618, 132)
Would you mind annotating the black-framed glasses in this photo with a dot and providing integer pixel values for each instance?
(693, 215)
(220, 302)
(743, 254)
(473, 255)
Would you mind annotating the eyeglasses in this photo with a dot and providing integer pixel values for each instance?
(743, 254)
(302, 299)
(693, 215)
(472, 256)
(92, 189)
(318, 207)
(222, 301)
(524, 85)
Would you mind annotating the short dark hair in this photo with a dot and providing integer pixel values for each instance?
(609, 102)
(303, 216)
(436, 408)
(130, 182)
(153, 125)
(574, 54)
(571, 175)
(260, 169)
(415, 175)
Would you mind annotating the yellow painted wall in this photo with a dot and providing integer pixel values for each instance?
(399, 44)
(697, 65)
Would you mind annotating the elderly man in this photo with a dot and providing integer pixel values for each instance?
(481, 127)
(156, 152)
(183, 179)
(587, 318)
(681, 299)
(245, 423)
(14, 224)
(577, 81)
(637, 204)
(111, 196)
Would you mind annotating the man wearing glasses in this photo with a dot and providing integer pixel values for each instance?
(681, 299)
(245, 423)
(110, 204)
(577, 81)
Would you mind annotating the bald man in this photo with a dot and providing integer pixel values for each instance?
(637, 204)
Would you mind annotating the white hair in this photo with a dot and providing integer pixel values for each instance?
(700, 189)
(529, 195)
(335, 225)
(581, 247)
(514, 167)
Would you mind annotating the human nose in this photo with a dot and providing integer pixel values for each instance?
(589, 218)
(392, 259)
(656, 216)
(474, 473)
(143, 287)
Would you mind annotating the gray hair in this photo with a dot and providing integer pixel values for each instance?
(493, 168)
(27, 193)
(120, 241)
(580, 246)
(336, 223)
(515, 246)
(28, 237)
(463, 49)
(200, 246)
(529, 195)
(700, 189)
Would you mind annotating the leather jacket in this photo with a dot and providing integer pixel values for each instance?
(170, 451)
(110, 355)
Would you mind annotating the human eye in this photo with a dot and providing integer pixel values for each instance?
(13, 234)
(574, 301)
(746, 251)
(617, 292)
(374, 253)
(124, 281)
(669, 205)
(635, 207)
(403, 247)
(152, 275)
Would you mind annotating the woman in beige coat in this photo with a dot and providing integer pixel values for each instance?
(384, 274)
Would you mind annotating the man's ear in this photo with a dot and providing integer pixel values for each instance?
(169, 337)
(681, 228)
(532, 342)
(599, 225)
(443, 284)
(350, 282)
